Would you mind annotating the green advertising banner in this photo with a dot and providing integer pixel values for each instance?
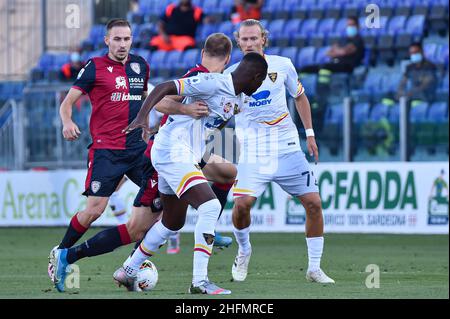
(356, 197)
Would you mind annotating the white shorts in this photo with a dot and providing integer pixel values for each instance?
(291, 171)
(177, 168)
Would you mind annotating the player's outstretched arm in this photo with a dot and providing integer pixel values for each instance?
(70, 130)
(304, 111)
(172, 105)
(158, 93)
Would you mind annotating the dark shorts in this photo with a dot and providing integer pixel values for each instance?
(107, 167)
(148, 195)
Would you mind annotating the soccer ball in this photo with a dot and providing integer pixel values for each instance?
(147, 276)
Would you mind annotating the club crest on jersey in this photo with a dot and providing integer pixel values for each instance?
(121, 82)
(95, 186)
(273, 76)
(136, 67)
(236, 109)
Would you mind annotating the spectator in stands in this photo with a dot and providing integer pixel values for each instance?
(177, 27)
(419, 80)
(246, 9)
(69, 71)
(345, 56)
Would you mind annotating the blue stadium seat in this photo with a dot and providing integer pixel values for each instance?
(321, 55)
(206, 30)
(273, 51)
(429, 50)
(379, 111)
(305, 57)
(270, 7)
(291, 28)
(157, 61)
(308, 29)
(61, 59)
(173, 59)
(418, 113)
(361, 112)
(291, 53)
(334, 114)
(210, 6)
(415, 25)
(190, 58)
(438, 112)
(325, 27)
(225, 6)
(227, 28)
(309, 82)
(339, 28)
(396, 25)
(276, 29)
(46, 61)
(394, 114)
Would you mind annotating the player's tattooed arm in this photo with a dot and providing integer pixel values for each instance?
(70, 130)
(172, 105)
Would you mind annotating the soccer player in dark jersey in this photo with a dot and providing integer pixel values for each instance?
(117, 85)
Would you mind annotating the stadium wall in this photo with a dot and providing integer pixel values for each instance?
(357, 198)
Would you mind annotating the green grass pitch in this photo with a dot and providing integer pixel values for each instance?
(411, 266)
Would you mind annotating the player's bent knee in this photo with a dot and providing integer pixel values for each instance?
(243, 205)
(313, 208)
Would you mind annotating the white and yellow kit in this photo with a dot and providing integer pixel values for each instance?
(180, 143)
(270, 145)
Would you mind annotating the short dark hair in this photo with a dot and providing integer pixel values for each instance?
(256, 59)
(417, 44)
(218, 45)
(354, 19)
(117, 23)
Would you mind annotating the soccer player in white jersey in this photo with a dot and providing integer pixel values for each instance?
(179, 146)
(271, 152)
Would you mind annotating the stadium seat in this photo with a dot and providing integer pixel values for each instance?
(361, 113)
(226, 27)
(157, 61)
(291, 53)
(270, 7)
(413, 32)
(291, 28)
(418, 113)
(438, 119)
(309, 82)
(172, 64)
(438, 17)
(190, 58)
(333, 121)
(379, 111)
(308, 29)
(305, 57)
(276, 28)
(324, 28)
(321, 55)
(273, 51)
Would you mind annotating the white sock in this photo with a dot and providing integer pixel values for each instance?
(315, 249)
(155, 238)
(208, 213)
(243, 239)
